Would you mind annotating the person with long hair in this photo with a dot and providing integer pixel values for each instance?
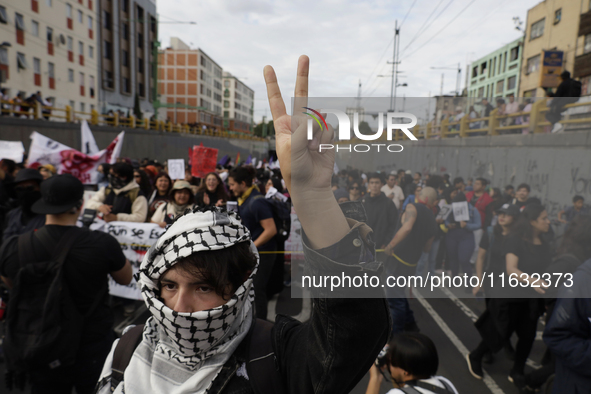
(160, 195)
(143, 180)
(355, 190)
(211, 192)
(182, 199)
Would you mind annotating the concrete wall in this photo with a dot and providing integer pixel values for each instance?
(556, 166)
(137, 144)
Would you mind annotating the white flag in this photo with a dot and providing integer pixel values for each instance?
(254, 162)
(116, 151)
(89, 146)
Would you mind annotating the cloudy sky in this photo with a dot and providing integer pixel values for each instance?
(346, 40)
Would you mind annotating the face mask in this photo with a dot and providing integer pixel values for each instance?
(116, 183)
(27, 197)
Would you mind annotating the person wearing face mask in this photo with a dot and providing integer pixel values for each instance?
(412, 362)
(181, 199)
(27, 190)
(123, 199)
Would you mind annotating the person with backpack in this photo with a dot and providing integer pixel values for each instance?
(60, 265)
(257, 216)
(411, 362)
(198, 282)
(123, 199)
(568, 92)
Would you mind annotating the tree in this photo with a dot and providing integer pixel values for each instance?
(259, 130)
(137, 111)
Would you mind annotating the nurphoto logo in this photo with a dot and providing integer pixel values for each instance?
(393, 122)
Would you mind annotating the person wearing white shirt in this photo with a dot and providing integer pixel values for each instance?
(393, 191)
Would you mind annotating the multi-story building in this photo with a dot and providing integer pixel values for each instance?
(238, 105)
(582, 69)
(189, 86)
(128, 33)
(53, 50)
(497, 74)
(552, 25)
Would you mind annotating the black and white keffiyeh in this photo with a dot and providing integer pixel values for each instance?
(193, 345)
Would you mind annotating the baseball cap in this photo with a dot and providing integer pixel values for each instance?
(28, 174)
(509, 209)
(59, 194)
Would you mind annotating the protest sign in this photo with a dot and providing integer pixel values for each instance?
(135, 240)
(460, 210)
(203, 160)
(176, 168)
(13, 150)
(66, 160)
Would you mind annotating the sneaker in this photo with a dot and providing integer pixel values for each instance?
(475, 366)
(558, 128)
(518, 379)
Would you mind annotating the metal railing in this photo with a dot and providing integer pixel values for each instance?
(67, 114)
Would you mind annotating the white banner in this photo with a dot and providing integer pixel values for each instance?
(13, 150)
(66, 160)
(135, 240)
(89, 146)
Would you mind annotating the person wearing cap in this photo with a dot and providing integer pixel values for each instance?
(47, 171)
(93, 257)
(181, 199)
(123, 199)
(27, 190)
(491, 259)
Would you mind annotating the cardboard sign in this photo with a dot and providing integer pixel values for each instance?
(203, 161)
(135, 240)
(176, 168)
(461, 212)
(551, 68)
(13, 150)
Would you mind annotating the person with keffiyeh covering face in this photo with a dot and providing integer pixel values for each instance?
(197, 282)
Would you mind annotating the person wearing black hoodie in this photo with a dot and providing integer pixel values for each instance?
(27, 190)
(382, 215)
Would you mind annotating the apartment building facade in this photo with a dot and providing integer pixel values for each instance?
(189, 86)
(238, 105)
(551, 34)
(128, 35)
(582, 69)
(52, 49)
(497, 74)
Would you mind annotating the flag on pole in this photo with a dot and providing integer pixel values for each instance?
(89, 146)
(248, 160)
(224, 160)
(237, 162)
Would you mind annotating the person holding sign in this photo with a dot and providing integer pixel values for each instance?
(198, 284)
(181, 199)
(462, 223)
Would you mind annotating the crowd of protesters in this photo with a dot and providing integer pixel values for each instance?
(507, 232)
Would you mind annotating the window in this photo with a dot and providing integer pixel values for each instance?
(475, 72)
(226, 104)
(82, 107)
(51, 70)
(70, 44)
(68, 10)
(49, 3)
(19, 22)
(587, 48)
(511, 83)
(125, 5)
(140, 64)
(21, 61)
(533, 64)
(35, 28)
(537, 29)
(202, 75)
(557, 16)
(107, 20)
(514, 54)
(108, 81)
(81, 79)
(107, 50)
(217, 85)
(500, 86)
(70, 75)
(90, 22)
(3, 15)
(217, 97)
(91, 52)
(36, 65)
(50, 34)
(72, 104)
(236, 106)
(481, 92)
(203, 61)
(80, 17)
(140, 40)
(125, 58)
(125, 30)
(153, 25)
(91, 86)
(80, 48)
(126, 85)
(227, 83)
(141, 89)
(4, 56)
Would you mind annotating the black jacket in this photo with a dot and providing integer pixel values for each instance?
(382, 217)
(568, 334)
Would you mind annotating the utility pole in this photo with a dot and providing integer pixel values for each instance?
(459, 70)
(395, 67)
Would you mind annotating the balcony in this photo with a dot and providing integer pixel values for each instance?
(582, 66)
(585, 24)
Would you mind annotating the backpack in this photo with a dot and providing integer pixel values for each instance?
(43, 325)
(576, 88)
(281, 216)
(263, 372)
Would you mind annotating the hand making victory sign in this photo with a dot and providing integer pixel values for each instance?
(306, 171)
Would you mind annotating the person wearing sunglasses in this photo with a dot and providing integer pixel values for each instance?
(355, 190)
